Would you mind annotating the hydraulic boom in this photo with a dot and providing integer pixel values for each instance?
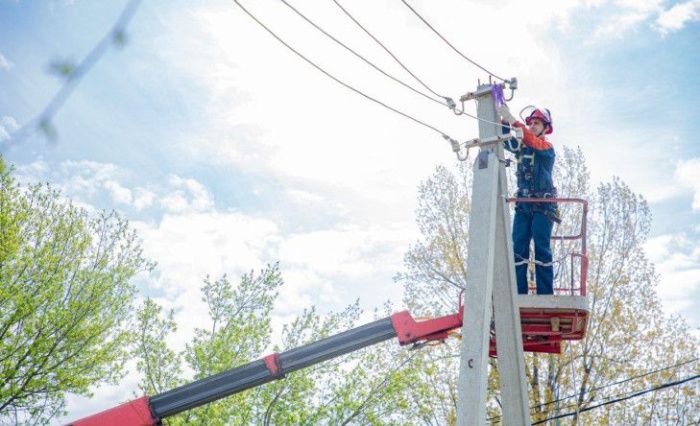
(147, 411)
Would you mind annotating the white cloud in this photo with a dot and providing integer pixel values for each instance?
(677, 261)
(85, 176)
(622, 17)
(143, 198)
(302, 196)
(188, 195)
(190, 245)
(175, 202)
(328, 141)
(675, 18)
(5, 64)
(7, 126)
(349, 251)
(626, 16)
(86, 181)
(120, 195)
(78, 180)
(329, 268)
(640, 5)
(617, 26)
(687, 174)
(347, 262)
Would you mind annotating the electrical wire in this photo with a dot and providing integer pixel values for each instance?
(386, 49)
(457, 112)
(648, 373)
(630, 396)
(331, 76)
(365, 60)
(446, 100)
(450, 44)
(576, 406)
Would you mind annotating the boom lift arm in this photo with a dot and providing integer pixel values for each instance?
(148, 411)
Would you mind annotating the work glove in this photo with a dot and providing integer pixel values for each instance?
(554, 215)
(506, 115)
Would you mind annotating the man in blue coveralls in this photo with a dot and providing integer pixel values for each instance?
(533, 221)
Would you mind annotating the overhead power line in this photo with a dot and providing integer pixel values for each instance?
(572, 406)
(365, 60)
(624, 398)
(337, 80)
(648, 373)
(386, 49)
(449, 100)
(450, 44)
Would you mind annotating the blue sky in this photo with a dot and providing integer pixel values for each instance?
(226, 151)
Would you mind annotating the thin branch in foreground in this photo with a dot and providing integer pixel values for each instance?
(73, 75)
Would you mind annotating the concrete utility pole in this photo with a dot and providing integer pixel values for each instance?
(490, 283)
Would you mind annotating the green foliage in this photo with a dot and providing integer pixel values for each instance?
(64, 298)
(239, 333)
(161, 365)
(371, 386)
(119, 37)
(63, 68)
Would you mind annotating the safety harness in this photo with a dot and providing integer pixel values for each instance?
(535, 177)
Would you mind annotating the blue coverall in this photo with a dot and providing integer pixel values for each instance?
(533, 221)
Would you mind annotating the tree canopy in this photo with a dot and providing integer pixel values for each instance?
(65, 298)
(371, 386)
(628, 331)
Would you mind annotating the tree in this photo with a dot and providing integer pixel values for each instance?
(435, 274)
(162, 366)
(628, 332)
(65, 298)
(371, 386)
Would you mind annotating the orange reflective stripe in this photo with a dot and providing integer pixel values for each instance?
(531, 140)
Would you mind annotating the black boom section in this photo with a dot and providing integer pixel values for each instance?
(335, 346)
(210, 389)
(257, 373)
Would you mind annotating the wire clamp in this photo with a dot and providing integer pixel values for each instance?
(512, 85)
(457, 148)
(519, 134)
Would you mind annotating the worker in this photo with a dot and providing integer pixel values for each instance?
(533, 221)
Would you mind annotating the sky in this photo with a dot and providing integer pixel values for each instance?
(226, 151)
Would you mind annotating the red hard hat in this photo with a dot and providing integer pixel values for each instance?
(544, 115)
